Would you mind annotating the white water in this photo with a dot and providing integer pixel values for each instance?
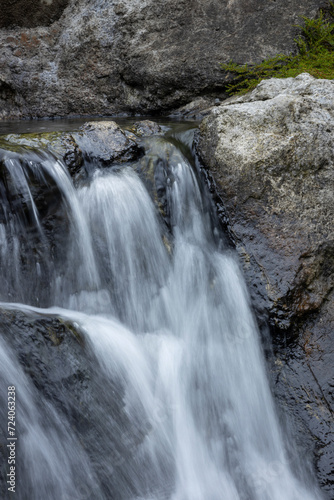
(55, 462)
(176, 331)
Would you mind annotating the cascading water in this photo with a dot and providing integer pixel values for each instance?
(167, 323)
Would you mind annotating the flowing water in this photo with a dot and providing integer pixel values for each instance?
(166, 319)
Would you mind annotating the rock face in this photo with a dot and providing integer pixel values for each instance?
(72, 395)
(271, 154)
(104, 57)
(271, 151)
(107, 143)
(146, 128)
(102, 143)
(31, 13)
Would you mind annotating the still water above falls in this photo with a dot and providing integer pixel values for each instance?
(132, 258)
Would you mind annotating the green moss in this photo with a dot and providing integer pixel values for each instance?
(315, 55)
(77, 334)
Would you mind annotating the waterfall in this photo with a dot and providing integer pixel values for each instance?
(168, 329)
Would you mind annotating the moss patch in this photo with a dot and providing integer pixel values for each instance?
(315, 55)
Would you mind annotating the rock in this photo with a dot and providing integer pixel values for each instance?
(271, 153)
(146, 128)
(30, 14)
(92, 57)
(272, 156)
(11, 102)
(59, 362)
(38, 232)
(102, 141)
(61, 144)
(23, 177)
(72, 154)
(196, 109)
(302, 375)
(107, 142)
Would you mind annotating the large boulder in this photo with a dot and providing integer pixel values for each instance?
(107, 142)
(66, 393)
(105, 57)
(271, 153)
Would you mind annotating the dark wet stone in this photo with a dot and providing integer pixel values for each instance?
(57, 358)
(30, 13)
(107, 142)
(196, 109)
(145, 128)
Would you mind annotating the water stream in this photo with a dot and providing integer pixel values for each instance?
(166, 319)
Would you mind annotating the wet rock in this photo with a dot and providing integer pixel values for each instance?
(272, 157)
(109, 57)
(34, 338)
(101, 142)
(72, 154)
(107, 142)
(34, 223)
(146, 128)
(271, 153)
(23, 179)
(302, 374)
(57, 359)
(61, 144)
(156, 172)
(196, 109)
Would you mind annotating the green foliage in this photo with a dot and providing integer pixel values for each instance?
(315, 46)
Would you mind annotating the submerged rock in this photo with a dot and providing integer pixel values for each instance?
(271, 153)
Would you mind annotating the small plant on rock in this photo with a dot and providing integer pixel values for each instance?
(315, 55)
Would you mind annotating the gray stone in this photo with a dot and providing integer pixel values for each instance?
(106, 142)
(272, 156)
(101, 142)
(103, 57)
(60, 144)
(58, 360)
(271, 152)
(145, 128)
